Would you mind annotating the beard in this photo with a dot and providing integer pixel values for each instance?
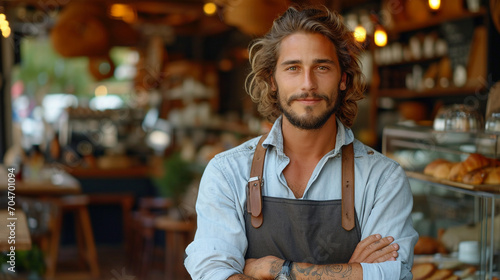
(309, 121)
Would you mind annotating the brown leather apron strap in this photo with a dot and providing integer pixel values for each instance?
(255, 184)
(348, 219)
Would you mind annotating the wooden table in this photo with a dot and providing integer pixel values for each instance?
(21, 232)
(58, 183)
(61, 189)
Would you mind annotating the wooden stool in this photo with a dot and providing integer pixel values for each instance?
(143, 232)
(85, 238)
(178, 235)
(126, 201)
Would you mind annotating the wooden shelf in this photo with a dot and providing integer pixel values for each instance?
(494, 188)
(436, 92)
(411, 62)
(131, 172)
(401, 27)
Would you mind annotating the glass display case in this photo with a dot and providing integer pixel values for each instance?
(461, 215)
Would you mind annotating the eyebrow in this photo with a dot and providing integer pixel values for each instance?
(316, 61)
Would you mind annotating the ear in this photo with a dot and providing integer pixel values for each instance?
(273, 84)
(343, 82)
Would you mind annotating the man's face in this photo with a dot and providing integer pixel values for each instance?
(308, 79)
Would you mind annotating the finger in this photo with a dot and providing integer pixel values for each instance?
(384, 254)
(376, 246)
(388, 257)
(360, 248)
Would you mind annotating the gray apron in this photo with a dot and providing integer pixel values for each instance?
(301, 230)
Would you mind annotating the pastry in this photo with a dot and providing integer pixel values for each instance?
(493, 176)
(473, 162)
(441, 274)
(431, 167)
(468, 272)
(443, 170)
(476, 177)
(427, 245)
(423, 270)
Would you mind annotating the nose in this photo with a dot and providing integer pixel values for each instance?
(309, 82)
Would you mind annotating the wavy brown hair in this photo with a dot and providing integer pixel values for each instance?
(264, 53)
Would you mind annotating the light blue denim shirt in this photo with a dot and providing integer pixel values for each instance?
(383, 203)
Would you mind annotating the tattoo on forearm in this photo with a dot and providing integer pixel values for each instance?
(276, 267)
(334, 271)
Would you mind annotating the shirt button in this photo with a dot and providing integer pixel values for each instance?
(250, 147)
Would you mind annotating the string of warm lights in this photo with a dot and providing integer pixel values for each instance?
(4, 26)
(209, 8)
(380, 35)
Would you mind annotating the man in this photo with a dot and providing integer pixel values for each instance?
(292, 219)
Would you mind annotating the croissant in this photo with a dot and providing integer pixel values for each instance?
(476, 177)
(430, 169)
(443, 170)
(493, 176)
(473, 162)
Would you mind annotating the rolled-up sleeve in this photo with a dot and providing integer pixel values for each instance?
(390, 216)
(217, 251)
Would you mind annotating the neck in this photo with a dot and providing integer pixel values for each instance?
(304, 144)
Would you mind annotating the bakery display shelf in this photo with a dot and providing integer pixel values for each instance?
(424, 60)
(435, 147)
(434, 92)
(434, 21)
(484, 189)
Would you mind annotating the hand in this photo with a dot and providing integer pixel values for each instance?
(264, 268)
(375, 249)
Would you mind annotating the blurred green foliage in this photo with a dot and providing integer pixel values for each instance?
(177, 176)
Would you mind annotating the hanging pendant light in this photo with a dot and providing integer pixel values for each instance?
(434, 4)
(380, 36)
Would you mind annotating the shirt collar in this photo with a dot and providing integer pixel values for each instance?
(275, 137)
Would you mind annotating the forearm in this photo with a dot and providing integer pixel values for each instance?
(240, 277)
(305, 271)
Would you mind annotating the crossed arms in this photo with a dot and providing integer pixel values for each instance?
(373, 249)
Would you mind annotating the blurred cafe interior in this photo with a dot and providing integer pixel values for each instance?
(111, 109)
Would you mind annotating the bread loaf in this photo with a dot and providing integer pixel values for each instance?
(423, 270)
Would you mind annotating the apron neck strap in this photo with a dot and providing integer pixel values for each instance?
(348, 219)
(256, 182)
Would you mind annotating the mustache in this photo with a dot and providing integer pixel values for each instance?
(307, 95)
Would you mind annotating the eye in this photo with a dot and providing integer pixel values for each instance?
(292, 68)
(323, 68)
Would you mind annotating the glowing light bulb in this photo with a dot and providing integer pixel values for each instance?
(209, 8)
(360, 33)
(6, 32)
(434, 4)
(122, 11)
(101, 91)
(380, 37)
